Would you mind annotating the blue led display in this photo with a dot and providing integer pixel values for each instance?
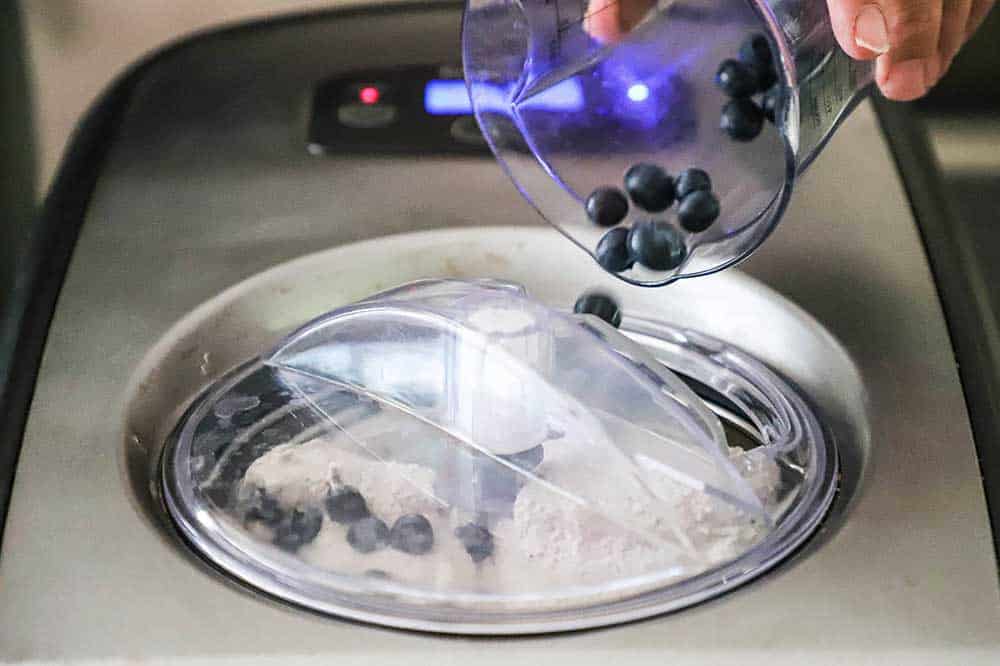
(449, 97)
(443, 97)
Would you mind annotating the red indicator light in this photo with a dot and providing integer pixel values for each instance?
(369, 95)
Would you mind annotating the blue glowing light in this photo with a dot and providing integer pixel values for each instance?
(638, 92)
(447, 97)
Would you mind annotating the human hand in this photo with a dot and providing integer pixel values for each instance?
(913, 42)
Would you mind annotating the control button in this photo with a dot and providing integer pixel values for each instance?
(466, 130)
(367, 92)
(369, 95)
(366, 115)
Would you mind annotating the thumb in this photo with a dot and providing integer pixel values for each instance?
(860, 27)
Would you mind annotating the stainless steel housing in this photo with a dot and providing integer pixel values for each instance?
(208, 183)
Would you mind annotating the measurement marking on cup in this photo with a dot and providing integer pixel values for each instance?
(824, 97)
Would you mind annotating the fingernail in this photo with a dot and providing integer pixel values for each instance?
(870, 31)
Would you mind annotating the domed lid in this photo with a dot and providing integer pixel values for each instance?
(455, 455)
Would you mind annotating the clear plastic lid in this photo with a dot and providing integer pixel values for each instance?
(456, 456)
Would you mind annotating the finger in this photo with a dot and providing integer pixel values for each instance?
(603, 21)
(912, 63)
(914, 28)
(980, 9)
(608, 21)
(907, 29)
(882, 67)
(902, 81)
(860, 28)
(954, 18)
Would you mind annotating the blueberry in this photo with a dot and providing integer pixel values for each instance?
(297, 528)
(263, 508)
(698, 210)
(736, 79)
(766, 78)
(606, 206)
(602, 306)
(345, 505)
(412, 534)
(756, 52)
(477, 540)
(657, 245)
(692, 180)
(771, 102)
(650, 187)
(368, 535)
(741, 119)
(612, 251)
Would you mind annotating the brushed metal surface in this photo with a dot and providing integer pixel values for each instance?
(209, 184)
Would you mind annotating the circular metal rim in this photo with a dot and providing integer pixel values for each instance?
(794, 533)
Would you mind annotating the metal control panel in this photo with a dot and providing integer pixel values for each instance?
(419, 109)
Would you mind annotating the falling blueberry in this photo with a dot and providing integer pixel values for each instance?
(692, 180)
(263, 508)
(412, 534)
(345, 505)
(601, 306)
(657, 245)
(297, 528)
(368, 535)
(606, 206)
(756, 52)
(698, 210)
(612, 251)
(650, 187)
(736, 79)
(741, 119)
(771, 102)
(477, 540)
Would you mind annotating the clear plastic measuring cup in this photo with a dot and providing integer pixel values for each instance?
(572, 93)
